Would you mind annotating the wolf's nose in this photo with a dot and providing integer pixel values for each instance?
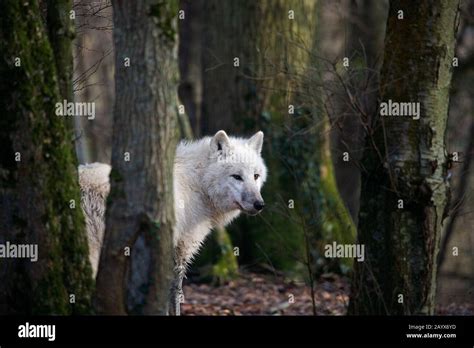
(259, 205)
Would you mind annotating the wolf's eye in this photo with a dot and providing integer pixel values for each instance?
(237, 177)
(256, 176)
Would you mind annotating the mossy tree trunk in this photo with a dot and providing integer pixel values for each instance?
(404, 189)
(324, 216)
(61, 33)
(39, 193)
(140, 212)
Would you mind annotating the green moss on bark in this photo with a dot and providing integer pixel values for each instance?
(43, 183)
(61, 33)
(165, 13)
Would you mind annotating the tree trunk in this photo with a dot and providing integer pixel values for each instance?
(39, 192)
(228, 53)
(357, 35)
(61, 34)
(404, 190)
(324, 217)
(140, 214)
(190, 63)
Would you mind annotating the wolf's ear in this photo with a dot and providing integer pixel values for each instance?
(256, 142)
(220, 141)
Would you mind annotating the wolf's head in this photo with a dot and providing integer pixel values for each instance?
(236, 173)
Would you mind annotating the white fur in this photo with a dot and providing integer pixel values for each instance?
(94, 183)
(205, 193)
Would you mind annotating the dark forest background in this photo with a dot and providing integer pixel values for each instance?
(310, 75)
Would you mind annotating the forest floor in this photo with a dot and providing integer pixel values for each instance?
(256, 294)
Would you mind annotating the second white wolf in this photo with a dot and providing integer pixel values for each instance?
(215, 179)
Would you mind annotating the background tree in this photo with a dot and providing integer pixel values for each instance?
(456, 271)
(93, 78)
(352, 30)
(140, 212)
(404, 188)
(40, 202)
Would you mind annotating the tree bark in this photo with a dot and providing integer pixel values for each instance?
(190, 64)
(140, 212)
(229, 33)
(39, 192)
(61, 34)
(459, 197)
(406, 160)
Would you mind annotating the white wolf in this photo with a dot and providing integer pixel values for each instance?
(215, 179)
